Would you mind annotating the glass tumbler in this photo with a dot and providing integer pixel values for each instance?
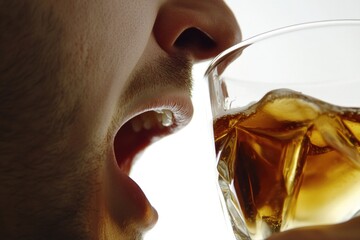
(286, 121)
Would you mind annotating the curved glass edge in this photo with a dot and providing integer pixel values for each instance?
(238, 48)
(230, 206)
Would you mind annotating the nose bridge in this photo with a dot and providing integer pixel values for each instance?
(201, 28)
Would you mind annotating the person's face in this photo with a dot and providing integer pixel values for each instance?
(97, 82)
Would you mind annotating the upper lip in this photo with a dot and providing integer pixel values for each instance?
(128, 143)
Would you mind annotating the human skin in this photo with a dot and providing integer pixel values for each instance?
(72, 73)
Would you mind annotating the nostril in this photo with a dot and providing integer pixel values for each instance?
(198, 29)
(195, 41)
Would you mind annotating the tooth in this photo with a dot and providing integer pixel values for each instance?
(159, 120)
(159, 115)
(136, 124)
(167, 118)
(148, 123)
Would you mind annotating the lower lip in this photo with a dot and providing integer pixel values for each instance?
(126, 201)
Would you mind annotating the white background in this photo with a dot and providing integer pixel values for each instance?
(178, 173)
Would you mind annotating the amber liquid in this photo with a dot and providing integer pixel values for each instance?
(291, 161)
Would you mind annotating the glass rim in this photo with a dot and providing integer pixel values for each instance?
(278, 31)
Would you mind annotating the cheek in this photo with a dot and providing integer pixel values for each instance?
(105, 55)
(130, 31)
(128, 37)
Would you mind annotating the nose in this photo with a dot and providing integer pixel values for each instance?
(199, 28)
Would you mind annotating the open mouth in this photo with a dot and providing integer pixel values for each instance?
(138, 133)
(146, 123)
